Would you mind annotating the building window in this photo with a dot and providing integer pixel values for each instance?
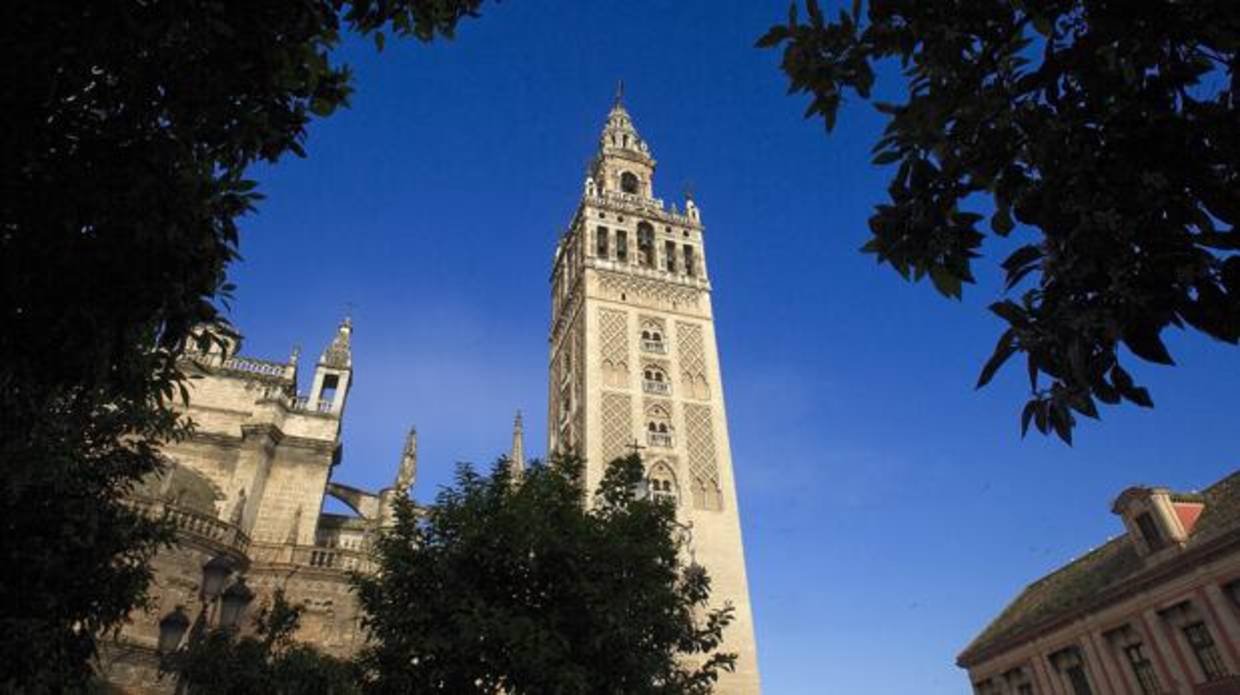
(690, 263)
(1018, 681)
(662, 484)
(1147, 678)
(1078, 679)
(628, 182)
(622, 246)
(1198, 636)
(655, 380)
(600, 248)
(1149, 531)
(652, 339)
(645, 244)
(1070, 665)
(669, 253)
(1232, 589)
(658, 426)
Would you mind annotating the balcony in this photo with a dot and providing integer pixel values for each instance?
(654, 346)
(662, 439)
(660, 388)
(195, 525)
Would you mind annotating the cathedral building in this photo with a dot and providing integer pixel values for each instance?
(634, 367)
(634, 364)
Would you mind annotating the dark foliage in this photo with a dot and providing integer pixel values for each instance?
(520, 587)
(222, 662)
(1106, 131)
(127, 130)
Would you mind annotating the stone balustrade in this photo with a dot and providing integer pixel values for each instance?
(195, 524)
(343, 559)
(661, 388)
(252, 365)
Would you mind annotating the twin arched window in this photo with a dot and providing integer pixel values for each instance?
(662, 483)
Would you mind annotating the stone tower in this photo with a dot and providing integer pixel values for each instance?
(634, 365)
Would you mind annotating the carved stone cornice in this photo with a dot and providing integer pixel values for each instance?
(654, 291)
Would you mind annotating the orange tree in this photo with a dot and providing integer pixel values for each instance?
(1105, 134)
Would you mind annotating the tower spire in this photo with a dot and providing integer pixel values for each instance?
(516, 460)
(408, 470)
(620, 92)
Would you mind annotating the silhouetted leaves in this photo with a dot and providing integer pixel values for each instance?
(1106, 131)
(128, 131)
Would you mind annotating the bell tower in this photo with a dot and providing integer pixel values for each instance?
(634, 364)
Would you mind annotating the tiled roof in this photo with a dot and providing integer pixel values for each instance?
(1079, 583)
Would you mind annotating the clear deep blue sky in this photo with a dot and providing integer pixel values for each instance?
(889, 510)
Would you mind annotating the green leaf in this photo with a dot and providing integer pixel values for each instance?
(888, 157)
(1001, 221)
(1145, 342)
(946, 282)
(773, 36)
(1004, 349)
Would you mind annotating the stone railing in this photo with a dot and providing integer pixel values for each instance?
(654, 346)
(660, 387)
(302, 403)
(662, 439)
(252, 365)
(342, 559)
(195, 524)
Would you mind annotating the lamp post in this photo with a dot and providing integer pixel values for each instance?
(175, 624)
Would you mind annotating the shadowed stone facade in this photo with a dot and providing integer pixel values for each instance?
(249, 485)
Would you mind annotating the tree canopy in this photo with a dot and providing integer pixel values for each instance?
(518, 586)
(128, 130)
(1102, 135)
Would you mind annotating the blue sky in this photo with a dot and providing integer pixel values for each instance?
(889, 510)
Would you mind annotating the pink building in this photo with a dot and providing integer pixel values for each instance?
(1154, 611)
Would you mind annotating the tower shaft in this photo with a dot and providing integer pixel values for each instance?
(634, 363)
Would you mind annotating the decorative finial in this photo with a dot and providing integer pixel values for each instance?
(408, 471)
(348, 314)
(292, 359)
(619, 91)
(688, 190)
(516, 459)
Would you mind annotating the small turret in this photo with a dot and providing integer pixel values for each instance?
(516, 460)
(408, 471)
(333, 375)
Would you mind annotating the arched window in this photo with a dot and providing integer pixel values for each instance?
(658, 426)
(645, 244)
(662, 484)
(629, 182)
(654, 380)
(652, 337)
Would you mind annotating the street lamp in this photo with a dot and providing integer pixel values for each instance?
(173, 626)
(171, 629)
(214, 573)
(233, 602)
